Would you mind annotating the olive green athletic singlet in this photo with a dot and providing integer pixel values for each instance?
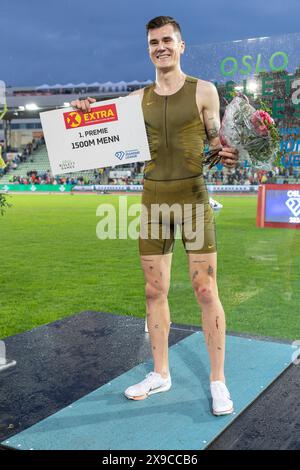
(175, 133)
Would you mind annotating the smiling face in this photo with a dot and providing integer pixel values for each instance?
(165, 47)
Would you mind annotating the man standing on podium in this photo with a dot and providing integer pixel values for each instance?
(180, 112)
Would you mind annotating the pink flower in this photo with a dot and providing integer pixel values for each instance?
(261, 120)
(266, 117)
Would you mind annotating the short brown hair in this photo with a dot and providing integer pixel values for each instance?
(160, 21)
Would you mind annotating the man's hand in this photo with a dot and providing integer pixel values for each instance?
(83, 105)
(229, 156)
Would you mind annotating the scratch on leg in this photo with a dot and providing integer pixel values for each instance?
(210, 271)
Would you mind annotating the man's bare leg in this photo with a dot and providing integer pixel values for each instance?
(203, 270)
(157, 270)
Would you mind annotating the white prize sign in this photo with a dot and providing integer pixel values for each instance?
(112, 133)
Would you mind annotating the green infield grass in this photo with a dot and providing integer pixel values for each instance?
(53, 265)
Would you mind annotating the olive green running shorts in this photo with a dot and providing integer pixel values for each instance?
(171, 205)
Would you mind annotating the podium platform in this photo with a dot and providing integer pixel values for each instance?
(67, 390)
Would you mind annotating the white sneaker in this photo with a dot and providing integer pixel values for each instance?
(222, 403)
(153, 383)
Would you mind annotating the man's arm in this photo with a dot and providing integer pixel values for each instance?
(211, 115)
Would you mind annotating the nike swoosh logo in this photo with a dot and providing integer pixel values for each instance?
(149, 103)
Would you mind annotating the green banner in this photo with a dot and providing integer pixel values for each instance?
(37, 187)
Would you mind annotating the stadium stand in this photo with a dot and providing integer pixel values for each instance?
(31, 165)
(36, 170)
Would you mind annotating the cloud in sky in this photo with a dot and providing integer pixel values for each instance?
(74, 41)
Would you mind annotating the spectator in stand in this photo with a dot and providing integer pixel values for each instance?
(230, 178)
(263, 179)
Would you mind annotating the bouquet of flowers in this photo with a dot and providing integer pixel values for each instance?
(252, 132)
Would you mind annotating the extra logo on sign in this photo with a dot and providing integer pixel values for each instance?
(97, 115)
(293, 203)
